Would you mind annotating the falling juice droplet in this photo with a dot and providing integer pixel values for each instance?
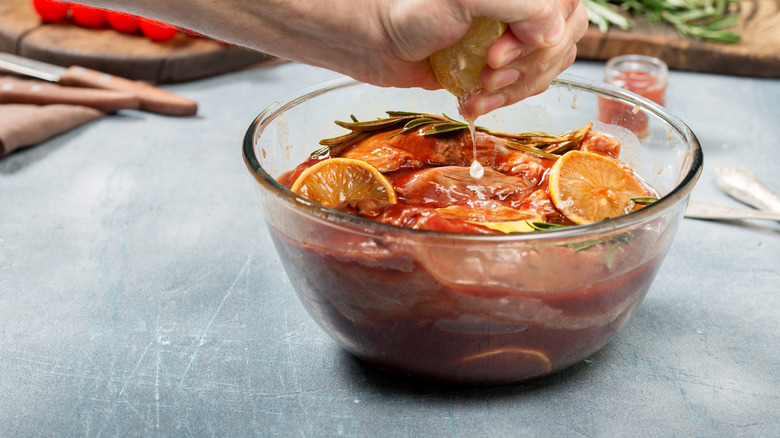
(476, 170)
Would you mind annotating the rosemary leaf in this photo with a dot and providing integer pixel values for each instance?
(532, 142)
(624, 237)
(644, 200)
(542, 226)
(701, 19)
(373, 125)
(584, 245)
(412, 124)
(341, 139)
(609, 254)
(422, 121)
(441, 128)
(603, 16)
(531, 150)
(562, 148)
(319, 153)
(405, 114)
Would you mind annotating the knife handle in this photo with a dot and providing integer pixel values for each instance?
(109, 101)
(152, 99)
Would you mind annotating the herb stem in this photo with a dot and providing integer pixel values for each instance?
(538, 143)
(700, 19)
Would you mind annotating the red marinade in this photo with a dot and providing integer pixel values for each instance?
(476, 313)
(430, 175)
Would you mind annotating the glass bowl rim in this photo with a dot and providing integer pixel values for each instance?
(567, 80)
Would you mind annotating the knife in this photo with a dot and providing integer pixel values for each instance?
(13, 90)
(151, 98)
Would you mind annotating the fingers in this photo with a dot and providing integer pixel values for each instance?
(540, 33)
(509, 79)
(536, 23)
(526, 36)
(413, 29)
(549, 29)
(507, 49)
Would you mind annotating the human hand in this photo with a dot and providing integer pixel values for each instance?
(539, 44)
(524, 62)
(387, 42)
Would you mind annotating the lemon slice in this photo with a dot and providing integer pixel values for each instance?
(458, 68)
(333, 181)
(588, 187)
(525, 357)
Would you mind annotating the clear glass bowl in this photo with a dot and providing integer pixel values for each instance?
(474, 309)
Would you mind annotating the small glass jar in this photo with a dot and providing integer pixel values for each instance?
(643, 75)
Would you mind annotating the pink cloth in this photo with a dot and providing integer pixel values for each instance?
(23, 125)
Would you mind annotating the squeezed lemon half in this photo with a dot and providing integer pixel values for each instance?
(458, 68)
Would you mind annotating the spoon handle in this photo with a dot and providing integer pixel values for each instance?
(698, 210)
(743, 185)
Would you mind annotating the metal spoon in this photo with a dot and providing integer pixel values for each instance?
(741, 184)
(698, 210)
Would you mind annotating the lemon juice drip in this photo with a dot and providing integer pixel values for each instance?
(476, 171)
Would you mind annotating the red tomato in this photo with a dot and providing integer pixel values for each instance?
(87, 16)
(51, 11)
(122, 22)
(157, 31)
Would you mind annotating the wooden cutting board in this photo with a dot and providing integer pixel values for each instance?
(182, 58)
(757, 53)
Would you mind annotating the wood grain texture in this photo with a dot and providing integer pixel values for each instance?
(15, 21)
(757, 54)
(180, 59)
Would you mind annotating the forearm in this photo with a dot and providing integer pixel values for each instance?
(309, 31)
(386, 42)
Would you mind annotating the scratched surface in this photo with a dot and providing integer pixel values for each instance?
(140, 296)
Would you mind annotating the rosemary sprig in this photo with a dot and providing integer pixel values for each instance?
(603, 15)
(609, 247)
(438, 125)
(640, 200)
(539, 143)
(542, 226)
(622, 237)
(531, 150)
(585, 245)
(572, 140)
(701, 19)
(644, 200)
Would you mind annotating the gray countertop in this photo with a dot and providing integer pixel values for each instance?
(140, 295)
